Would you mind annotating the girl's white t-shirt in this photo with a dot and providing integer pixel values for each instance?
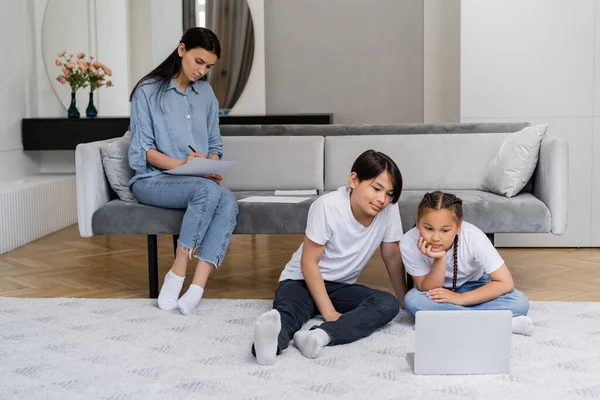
(348, 244)
(476, 255)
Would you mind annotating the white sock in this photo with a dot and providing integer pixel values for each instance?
(169, 293)
(266, 332)
(311, 342)
(189, 301)
(522, 325)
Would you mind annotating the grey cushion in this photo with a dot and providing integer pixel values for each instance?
(120, 217)
(490, 212)
(116, 166)
(441, 161)
(271, 163)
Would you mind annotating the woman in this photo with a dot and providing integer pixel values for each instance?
(174, 119)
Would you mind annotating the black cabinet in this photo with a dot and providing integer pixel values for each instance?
(66, 134)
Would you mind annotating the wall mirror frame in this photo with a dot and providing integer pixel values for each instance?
(232, 22)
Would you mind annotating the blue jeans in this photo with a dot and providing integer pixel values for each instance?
(363, 310)
(515, 301)
(210, 216)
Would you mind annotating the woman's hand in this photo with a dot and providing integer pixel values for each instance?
(441, 295)
(194, 155)
(426, 249)
(215, 178)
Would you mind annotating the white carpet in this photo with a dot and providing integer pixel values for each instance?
(129, 349)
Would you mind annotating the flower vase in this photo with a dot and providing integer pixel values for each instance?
(73, 112)
(91, 111)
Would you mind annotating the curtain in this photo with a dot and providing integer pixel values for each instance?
(189, 14)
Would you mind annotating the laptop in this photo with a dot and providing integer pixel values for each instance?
(462, 342)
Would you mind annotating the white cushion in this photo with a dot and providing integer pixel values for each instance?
(116, 166)
(511, 169)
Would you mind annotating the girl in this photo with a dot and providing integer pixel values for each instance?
(172, 111)
(343, 230)
(454, 265)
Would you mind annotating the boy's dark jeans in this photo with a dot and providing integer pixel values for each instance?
(363, 310)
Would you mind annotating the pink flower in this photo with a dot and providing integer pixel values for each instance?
(99, 82)
(96, 64)
(63, 81)
(93, 70)
(108, 71)
(70, 64)
(57, 63)
(109, 83)
(82, 65)
(80, 55)
(66, 72)
(62, 53)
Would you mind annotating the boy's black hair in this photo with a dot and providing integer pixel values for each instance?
(371, 163)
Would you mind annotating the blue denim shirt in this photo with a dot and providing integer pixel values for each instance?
(170, 122)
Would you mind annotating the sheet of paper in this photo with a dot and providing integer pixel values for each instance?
(296, 192)
(201, 167)
(273, 199)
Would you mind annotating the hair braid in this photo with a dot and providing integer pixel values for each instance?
(455, 273)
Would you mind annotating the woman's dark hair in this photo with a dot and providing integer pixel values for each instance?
(192, 38)
(444, 201)
(371, 163)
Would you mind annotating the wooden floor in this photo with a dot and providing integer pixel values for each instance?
(65, 265)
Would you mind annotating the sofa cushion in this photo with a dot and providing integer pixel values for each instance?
(512, 167)
(490, 212)
(116, 166)
(440, 161)
(271, 163)
(120, 217)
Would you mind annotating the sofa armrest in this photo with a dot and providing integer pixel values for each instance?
(93, 190)
(551, 181)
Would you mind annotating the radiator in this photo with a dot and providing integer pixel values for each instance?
(35, 207)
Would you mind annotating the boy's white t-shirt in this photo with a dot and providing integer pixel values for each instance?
(348, 244)
(476, 255)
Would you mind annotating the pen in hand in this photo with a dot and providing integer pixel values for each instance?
(192, 149)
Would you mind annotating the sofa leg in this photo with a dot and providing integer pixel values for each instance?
(153, 266)
(175, 239)
(491, 237)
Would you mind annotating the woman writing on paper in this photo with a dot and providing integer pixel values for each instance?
(172, 109)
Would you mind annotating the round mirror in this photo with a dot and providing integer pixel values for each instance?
(59, 32)
(231, 21)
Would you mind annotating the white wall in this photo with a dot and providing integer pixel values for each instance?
(112, 48)
(361, 61)
(140, 30)
(17, 41)
(441, 61)
(167, 28)
(534, 60)
(155, 28)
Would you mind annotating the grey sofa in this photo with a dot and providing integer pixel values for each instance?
(449, 157)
